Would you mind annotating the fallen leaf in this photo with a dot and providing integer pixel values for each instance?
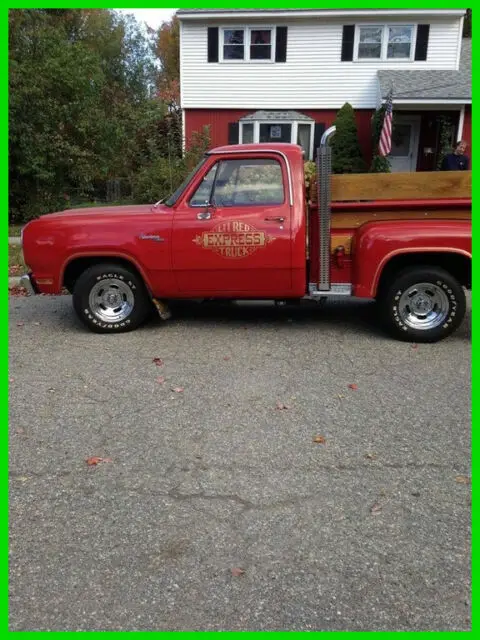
(463, 479)
(319, 439)
(339, 395)
(414, 346)
(371, 456)
(37, 324)
(20, 324)
(237, 571)
(17, 291)
(158, 361)
(177, 389)
(94, 460)
(282, 406)
(353, 387)
(20, 430)
(226, 358)
(375, 509)
(11, 380)
(160, 379)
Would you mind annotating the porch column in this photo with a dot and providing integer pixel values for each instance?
(461, 120)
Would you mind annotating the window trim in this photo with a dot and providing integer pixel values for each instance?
(384, 43)
(247, 29)
(294, 134)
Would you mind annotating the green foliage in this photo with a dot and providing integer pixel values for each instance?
(346, 152)
(446, 138)
(379, 164)
(161, 176)
(80, 84)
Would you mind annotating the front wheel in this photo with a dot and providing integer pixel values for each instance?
(110, 298)
(423, 304)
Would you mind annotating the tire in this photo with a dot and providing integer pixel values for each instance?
(109, 298)
(422, 304)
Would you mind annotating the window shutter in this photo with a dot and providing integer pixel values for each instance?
(317, 136)
(233, 132)
(213, 44)
(421, 48)
(347, 42)
(281, 44)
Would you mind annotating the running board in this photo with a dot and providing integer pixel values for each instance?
(335, 291)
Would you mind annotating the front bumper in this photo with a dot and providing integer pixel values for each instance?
(27, 282)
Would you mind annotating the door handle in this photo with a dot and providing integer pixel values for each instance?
(275, 219)
(204, 215)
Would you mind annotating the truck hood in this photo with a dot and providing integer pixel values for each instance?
(113, 211)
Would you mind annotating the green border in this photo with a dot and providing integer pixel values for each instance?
(147, 5)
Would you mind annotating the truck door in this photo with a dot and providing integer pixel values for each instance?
(232, 236)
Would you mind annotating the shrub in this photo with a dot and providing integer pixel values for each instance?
(346, 152)
(379, 164)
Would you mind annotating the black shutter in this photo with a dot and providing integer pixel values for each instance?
(421, 48)
(233, 129)
(281, 44)
(317, 136)
(213, 44)
(347, 42)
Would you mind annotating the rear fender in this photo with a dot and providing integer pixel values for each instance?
(376, 244)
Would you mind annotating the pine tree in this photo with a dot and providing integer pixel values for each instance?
(346, 152)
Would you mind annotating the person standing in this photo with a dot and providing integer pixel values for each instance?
(457, 161)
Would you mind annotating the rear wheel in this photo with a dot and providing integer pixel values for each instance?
(110, 298)
(423, 304)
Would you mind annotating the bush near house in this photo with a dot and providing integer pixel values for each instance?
(346, 152)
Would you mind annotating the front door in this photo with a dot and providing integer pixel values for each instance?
(405, 136)
(232, 236)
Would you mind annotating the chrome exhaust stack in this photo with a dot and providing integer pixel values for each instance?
(324, 171)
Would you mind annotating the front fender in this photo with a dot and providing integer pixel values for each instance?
(376, 243)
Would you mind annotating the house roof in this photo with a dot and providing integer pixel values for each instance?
(198, 13)
(435, 85)
(277, 116)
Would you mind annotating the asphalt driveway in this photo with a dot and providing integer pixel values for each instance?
(215, 508)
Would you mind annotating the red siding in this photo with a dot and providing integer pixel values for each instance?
(218, 119)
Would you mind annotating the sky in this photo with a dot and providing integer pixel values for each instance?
(153, 17)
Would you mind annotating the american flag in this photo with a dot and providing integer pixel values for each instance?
(385, 144)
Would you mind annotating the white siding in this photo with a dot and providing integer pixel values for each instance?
(313, 76)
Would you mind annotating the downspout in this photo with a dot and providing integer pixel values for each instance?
(324, 171)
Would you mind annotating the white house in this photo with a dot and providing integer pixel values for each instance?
(282, 74)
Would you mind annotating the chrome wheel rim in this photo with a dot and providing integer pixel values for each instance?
(111, 300)
(423, 306)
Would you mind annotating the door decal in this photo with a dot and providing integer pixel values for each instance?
(233, 239)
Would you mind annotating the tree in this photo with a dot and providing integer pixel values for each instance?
(77, 82)
(380, 164)
(346, 152)
(167, 50)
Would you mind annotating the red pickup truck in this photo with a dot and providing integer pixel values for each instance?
(244, 226)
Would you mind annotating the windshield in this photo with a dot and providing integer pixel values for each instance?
(169, 202)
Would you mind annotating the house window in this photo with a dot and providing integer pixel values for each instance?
(385, 42)
(247, 133)
(248, 44)
(290, 131)
(233, 44)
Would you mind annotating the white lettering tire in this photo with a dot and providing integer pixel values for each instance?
(423, 304)
(109, 298)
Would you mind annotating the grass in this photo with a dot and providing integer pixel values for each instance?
(16, 264)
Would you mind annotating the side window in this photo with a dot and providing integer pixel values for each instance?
(243, 183)
(201, 197)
